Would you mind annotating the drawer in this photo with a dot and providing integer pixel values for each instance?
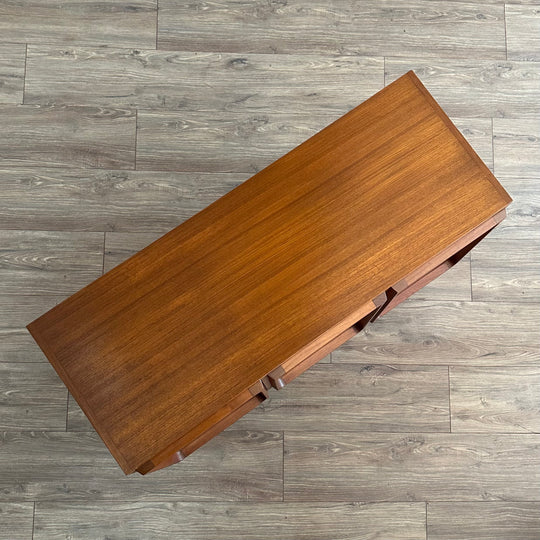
(295, 366)
(437, 265)
(212, 426)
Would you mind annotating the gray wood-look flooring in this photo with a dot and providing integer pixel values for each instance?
(121, 119)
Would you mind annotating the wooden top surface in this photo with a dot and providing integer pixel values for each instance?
(165, 339)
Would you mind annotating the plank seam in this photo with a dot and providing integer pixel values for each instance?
(449, 403)
(33, 518)
(157, 23)
(505, 34)
(24, 78)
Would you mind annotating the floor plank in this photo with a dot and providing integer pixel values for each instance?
(523, 32)
(523, 215)
(68, 467)
(67, 136)
(416, 467)
(516, 145)
(120, 246)
(458, 333)
(222, 521)
(32, 397)
(505, 399)
(227, 141)
(483, 521)
(330, 397)
(455, 284)
(17, 518)
(56, 263)
(17, 345)
(192, 81)
(12, 60)
(443, 29)
(105, 200)
(506, 270)
(16, 311)
(76, 419)
(118, 23)
(500, 1)
(19, 310)
(476, 87)
(478, 132)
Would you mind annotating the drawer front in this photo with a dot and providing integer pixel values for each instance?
(212, 426)
(437, 265)
(295, 366)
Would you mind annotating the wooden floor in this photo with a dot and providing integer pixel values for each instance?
(120, 119)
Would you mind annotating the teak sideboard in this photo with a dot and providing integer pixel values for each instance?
(173, 345)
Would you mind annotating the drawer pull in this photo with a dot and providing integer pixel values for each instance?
(242, 404)
(275, 378)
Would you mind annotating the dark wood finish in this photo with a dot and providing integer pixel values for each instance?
(168, 345)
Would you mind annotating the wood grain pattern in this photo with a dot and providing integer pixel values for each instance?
(198, 82)
(345, 398)
(478, 132)
(247, 142)
(67, 136)
(12, 59)
(516, 145)
(17, 518)
(497, 400)
(442, 29)
(76, 419)
(106, 200)
(16, 344)
(321, 40)
(18, 310)
(263, 254)
(32, 396)
(102, 69)
(391, 467)
(240, 142)
(523, 219)
(68, 467)
(41, 262)
(483, 521)
(358, 398)
(476, 88)
(511, 278)
(463, 333)
(453, 285)
(523, 32)
(119, 23)
(121, 246)
(500, 1)
(221, 521)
